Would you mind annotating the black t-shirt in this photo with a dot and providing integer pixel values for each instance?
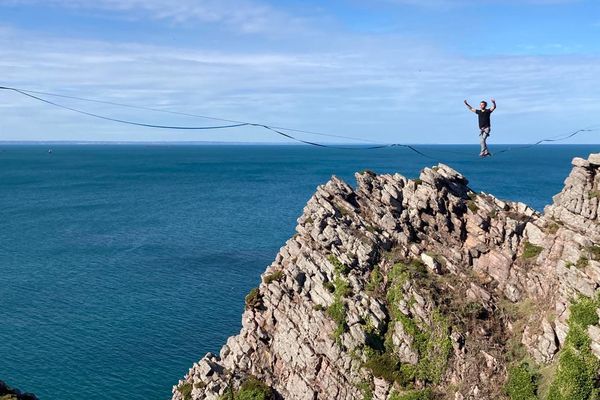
(484, 118)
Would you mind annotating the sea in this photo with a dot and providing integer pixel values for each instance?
(121, 265)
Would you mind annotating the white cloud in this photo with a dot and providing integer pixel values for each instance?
(381, 88)
(239, 15)
(462, 3)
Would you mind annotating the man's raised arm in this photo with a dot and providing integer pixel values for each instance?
(469, 107)
(493, 107)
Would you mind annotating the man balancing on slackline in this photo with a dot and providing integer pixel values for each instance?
(484, 114)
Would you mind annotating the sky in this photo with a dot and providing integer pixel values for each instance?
(386, 71)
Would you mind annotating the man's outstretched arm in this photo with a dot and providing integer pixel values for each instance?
(469, 106)
(493, 107)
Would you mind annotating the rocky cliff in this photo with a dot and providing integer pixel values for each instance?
(9, 393)
(422, 289)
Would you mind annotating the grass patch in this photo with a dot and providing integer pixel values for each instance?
(472, 206)
(329, 286)
(337, 309)
(253, 298)
(251, 389)
(186, 390)
(577, 369)
(389, 367)
(432, 343)
(522, 383)
(367, 390)
(337, 312)
(593, 252)
(552, 228)
(375, 280)
(342, 210)
(594, 194)
(339, 267)
(530, 251)
(273, 277)
(424, 394)
(371, 228)
(582, 262)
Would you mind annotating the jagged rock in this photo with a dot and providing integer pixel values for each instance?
(348, 278)
(8, 393)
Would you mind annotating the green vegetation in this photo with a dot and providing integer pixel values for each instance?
(432, 343)
(386, 366)
(472, 206)
(337, 312)
(522, 383)
(318, 307)
(251, 389)
(186, 390)
(329, 286)
(425, 394)
(552, 228)
(577, 369)
(418, 181)
(341, 289)
(474, 310)
(594, 252)
(594, 194)
(366, 389)
(253, 299)
(273, 277)
(531, 251)
(582, 262)
(371, 228)
(340, 268)
(375, 280)
(588, 253)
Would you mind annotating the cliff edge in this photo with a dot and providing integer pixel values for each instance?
(422, 289)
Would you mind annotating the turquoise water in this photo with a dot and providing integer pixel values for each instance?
(122, 265)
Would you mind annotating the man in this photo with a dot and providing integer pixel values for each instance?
(484, 114)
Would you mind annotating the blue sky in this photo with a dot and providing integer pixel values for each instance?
(383, 70)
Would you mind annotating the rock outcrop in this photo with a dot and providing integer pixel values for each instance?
(9, 393)
(417, 288)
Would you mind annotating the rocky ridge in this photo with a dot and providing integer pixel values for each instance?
(9, 393)
(421, 289)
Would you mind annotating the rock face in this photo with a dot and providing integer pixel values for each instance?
(413, 286)
(8, 393)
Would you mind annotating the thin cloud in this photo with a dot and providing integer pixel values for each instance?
(463, 3)
(240, 15)
(373, 88)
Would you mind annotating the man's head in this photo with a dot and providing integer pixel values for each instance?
(483, 105)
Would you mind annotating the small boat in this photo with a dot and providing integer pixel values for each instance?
(49, 151)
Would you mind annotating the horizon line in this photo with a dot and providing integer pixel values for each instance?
(212, 143)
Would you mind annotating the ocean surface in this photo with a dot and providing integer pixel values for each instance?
(120, 266)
